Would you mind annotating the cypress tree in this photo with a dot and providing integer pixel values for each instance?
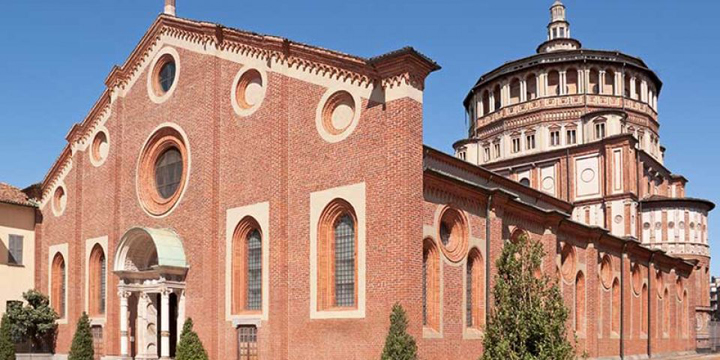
(7, 347)
(82, 344)
(190, 346)
(528, 317)
(399, 345)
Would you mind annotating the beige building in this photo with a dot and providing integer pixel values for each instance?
(17, 244)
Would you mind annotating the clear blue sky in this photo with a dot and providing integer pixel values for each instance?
(56, 54)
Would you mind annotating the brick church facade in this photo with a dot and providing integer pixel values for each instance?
(280, 195)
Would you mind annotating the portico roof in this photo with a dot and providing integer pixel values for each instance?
(135, 246)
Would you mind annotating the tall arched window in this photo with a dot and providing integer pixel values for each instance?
(580, 303)
(431, 285)
(475, 291)
(337, 256)
(96, 281)
(594, 82)
(497, 95)
(572, 81)
(626, 85)
(247, 267)
(685, 313)
(666, 311)
(553, 83)
(615, 311)
(514, 91)
(58, 286)
(644, 309)
(485, 103)
(531, 87)
(609, 83)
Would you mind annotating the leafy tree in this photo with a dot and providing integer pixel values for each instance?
(82, 344)
(528, 317)
(399, 345)
(34, 322)
(7, 347)
(190, 346)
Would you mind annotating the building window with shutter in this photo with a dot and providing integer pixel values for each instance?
(571, 137)
(516, 145)
(530, 142)
(15, 250)
(555, 138)
(599, 131)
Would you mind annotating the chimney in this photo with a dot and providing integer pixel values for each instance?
(169, 7)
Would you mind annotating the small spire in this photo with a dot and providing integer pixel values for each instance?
(558, 31)
(169, 7)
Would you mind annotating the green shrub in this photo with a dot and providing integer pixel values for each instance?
(82, 344)
(399, 345)
(34, 322)
(528, 317)
(190, 346)
(7, 347)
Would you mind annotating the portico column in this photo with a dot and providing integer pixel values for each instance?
(180, 311)
(124, 295)
(165, 323)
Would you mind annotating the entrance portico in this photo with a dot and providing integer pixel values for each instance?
(151, 266)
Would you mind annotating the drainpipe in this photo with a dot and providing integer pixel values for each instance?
(622, 301)
(487, 258)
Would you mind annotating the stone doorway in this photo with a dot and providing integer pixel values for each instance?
(151, 266)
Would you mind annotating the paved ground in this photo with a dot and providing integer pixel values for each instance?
(700, 357)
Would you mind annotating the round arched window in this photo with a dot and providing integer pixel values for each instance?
(453, 234)
(99, 149)
(606, 272)
(166, 77)
(59, 201)
(163, 170)
(444, 234)
(168, 172)
(525, 181)
(567, 262)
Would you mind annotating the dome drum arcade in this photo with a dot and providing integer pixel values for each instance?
(151, 265)
(556, 87)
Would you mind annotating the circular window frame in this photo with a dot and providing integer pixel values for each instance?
(457, 246)
(59, 209)
(240, 109)
(160, 59)
(323, 114)
(95, 158)
(162, 138)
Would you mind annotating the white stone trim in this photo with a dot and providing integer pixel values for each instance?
(159, 99)
(89, 245)
(331, 138)
(398, 91)
(355, 196)
(233, 98)
(89, 147)
(52, 251)
(186, 141)
(261, 213)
